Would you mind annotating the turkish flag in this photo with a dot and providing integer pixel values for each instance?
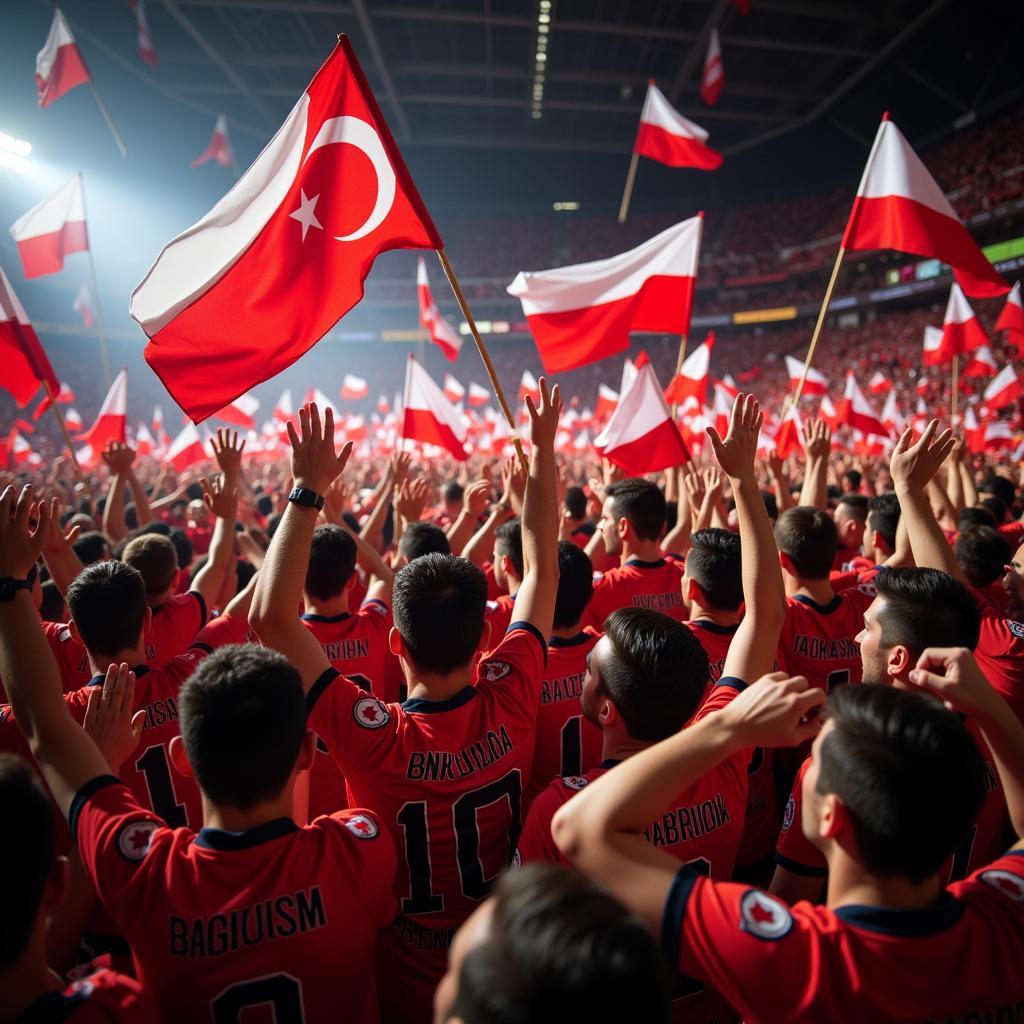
(282, 257)
(24, 362)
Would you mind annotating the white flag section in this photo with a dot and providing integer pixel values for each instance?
(932, 346)
(186, 449)
(478, 395)
(668, 137)
(110, 422)
(1004, 389)
(816, 384)
(52, 229)
(284, 409)
(441, 333)
(428, 417)
(855, 411)
(240, 412)
(453, 390)
(528, 386)
(354, 387)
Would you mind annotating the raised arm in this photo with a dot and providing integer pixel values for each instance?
(58, 551)
(817, 441)
(474, 502)
(221, 497)
(689, 486)
(780, 481)
(119, 459)
(373, 528)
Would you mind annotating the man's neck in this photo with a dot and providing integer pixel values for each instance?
(235, 819)
(641, 550)
(618, 746)
(133, 656)
(819, 591)
(698, 613)
(850, 885)
(27, 980)
(327, 608)
(438, 687)
(567, 632)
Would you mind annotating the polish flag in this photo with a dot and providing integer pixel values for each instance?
(110, 421)
(441, 333)
(713, 77)
(879, 384)
(892, 418)
(1005, 388)
(219, 148)
(64, 396)
(146, 49)
(607, 401)
(453, 390)
(428, 416)
(353, 387)
(998, 437)
(355, 429)
(82, 306)
(282, 257)
(52, 229)
(982, 364)
(21, 451)
(186, 449)
(974, 433)
(692, 378)
(145, 444)
(961, 331)
(788, 439)
(728, 385)
(59, 64)
(1011, 319)
(641, 437)
(284, 411)
(528, 386)
(162, 437)
(933, 351)
(584, 313)
(383, 405)
(668, 137)
(827, 411)
(854, 410)
(899, 206)
(240, 412)
(478, 395)
(815, 383)
(722, 410)
(25, 365)
(72, 420)
(628, 375)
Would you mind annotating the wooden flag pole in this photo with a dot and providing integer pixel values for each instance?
(821, 322)
(680, 359)
(63, 427)
(956, 376)
(627, 192)
(109, 120)
(499, 392)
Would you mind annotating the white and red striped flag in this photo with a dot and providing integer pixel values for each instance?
(163, 439)
(607, 402)
(583, 313)
(668, 137)
(428, 417)
(854, 410)
(693, 375)
(83, 307)
(933, 354)
(879, 384)
(1011, 318)
(478, 395)
(25, 365)
(186, 449)
(974, 433)
(111, 420)
(59, 64)
(72, 420)
(219, 149)
(146, 49)
(998, 437)
(982, 364)
(900, 206)
(284, 410)
(892, 419)
(145, 443)
(453, 390)
(827, 411)
(816, 384)
(713, 77)
(383, 405)
(22, 452)
(528, 386)
(63, 396)
(1005, 388)
(353, 387)
(52, 229)
(241, 412)
(961, 330)
(440, 332)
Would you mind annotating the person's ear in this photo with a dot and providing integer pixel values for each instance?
(396, 645)
(787, 564)
(898, 661)
(75, 635)
(833, 817)
(506, 566)
(624, 528)
(147, 620)
(179, 757)
(307, 752)
(693, 592)
(352, 580)
(607, 713)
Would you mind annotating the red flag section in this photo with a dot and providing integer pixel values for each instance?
(64, 395)
(440, 332)
(668, 137)
(146, 50)
(787, 440)
(111, 419)
(219, 149)
(900, 206)
(692, 379)
(478, 395)
(1005, 388)
(186, 449)
(607, 401)
(583, 313)
(240, 412)
(855, 412)
(879, 384)
(933, 353)
(713, 77)
(52, 229)
(816, 384)
(241, 295)
(982, 364)
(59, 65)
(428, 416)
(82, 306)
(453, 390)
(1011, 319)
(25, 365)
(72, 420)
(961, 331)
(144, 441)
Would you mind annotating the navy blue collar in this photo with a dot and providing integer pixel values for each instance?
(610, 762)
(574, 641)
(945, 912)
(714, 627)
(341, 617)
(822, 609)
(139, 670)
(420, 706)
(638, 563)
(220, 839)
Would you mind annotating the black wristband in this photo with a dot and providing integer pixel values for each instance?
(306, 498)
(9, 586)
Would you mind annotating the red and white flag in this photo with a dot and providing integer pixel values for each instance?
(284, 410)
(933, 353)
(478, 395)
(982, 364)
(961, 330)
(440, 332)
(82, 306)
(72, 420)
(900, 206)
(879, 384)
(693, 375)
(728, 385)
(21, 451)
(453, 390)
(892, 419)
(668, 137)
(353, 387)
(998, 437)
(428, 417)
(52, 229)
(63, 396)
(584, 313)
(528, 386)
(607, 402)
(974, 433)
(788, 437)
(146, 49)
(827, 411)
(640, 436)
(163, 439)
(1005, 388)
(816, 384)
(1011, 319)
(186, 449)
(25, 365)
(219, 148)
(111, 420)
(282, 257)
(713, 77)
(145, 444)
(241, 412)
(59, 64)
(855, 412)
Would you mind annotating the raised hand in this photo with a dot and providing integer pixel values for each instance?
(411, 499)
(777, 711)
(544, 418)
(737, 451)
(119, 457)
(221, 497)
(952, 674)
(695, 485)
(817, 438)
(56, 539)
(315, 463)
(401, 466)
(475, 497)
(21, 542)
(228, 452)
(109, 719)
(335, 500)
(913, 465)
(714, 482)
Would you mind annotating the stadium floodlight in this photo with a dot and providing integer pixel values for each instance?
(16, 147)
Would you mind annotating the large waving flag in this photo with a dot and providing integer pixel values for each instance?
(1005, 388)
(282, 257)
(855, 411)
(584, 313)
(112, 418)
(900, 206)
(441, 333)
(52, 230)
(428, 416)
(24, 362)
(59, 64)
(693, 375)
(668, 137)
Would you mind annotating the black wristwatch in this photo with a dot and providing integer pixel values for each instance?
(306, 498)
(9, 586)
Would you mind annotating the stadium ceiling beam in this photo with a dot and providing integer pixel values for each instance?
(366, 25)
(932, 87)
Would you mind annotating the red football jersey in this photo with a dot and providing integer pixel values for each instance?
(715, 640)
(69, 654)
(636, 584)
(447, 779)
(499, 615)
(958, 959)
(175, 625)
(567, 743)
(1000, 655)
(94, 994)
(221, 923)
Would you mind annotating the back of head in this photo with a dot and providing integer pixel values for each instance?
(453, 492)
(810, 539)
(91, 547)
(854, 506)
(1002, 488)
(575, 502)
(157, 526)
(655, 672)
(713, 563)
(107, 602)
(332, 560)
(421, 539)
(997, 507)
(642, 503)
(155, 559)
(575, 584)
(26, 856)
(243, 719)
(909, 774)
(975, 516)
(52, 607)
(560, 948)
(439, 604)
(183, 548)
(982, 551)
(853, 479)
(926, 608)
(508, 543)
(884, 516)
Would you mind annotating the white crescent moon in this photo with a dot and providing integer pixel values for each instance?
(360, 134)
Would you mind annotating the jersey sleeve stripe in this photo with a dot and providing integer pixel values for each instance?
(201, 601)
(200, 645)
(675, 911)
(736, 684)
(92, 786)
(529, 627)
(804, 870)
(317, 689)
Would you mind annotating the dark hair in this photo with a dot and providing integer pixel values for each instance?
(439, 603)
(856, 506)
(1001, 488)
(508, 542)
(52, 607)
(713, 563)
(926, 608)
(91, 547)
(575, 502)
(884, 516)
(853, 478)
(642, 503)
(655, 672)
(909, 774)
(158, 526)
(194, 492)
(575, 584)
(155, 558)
(244, 572)
(419, 539)
(273, 522)
(264, 505)
(453, 491)
(771, 505)
(982, 551)
(996, 506)
(107, 602)
(183, 548)
(243, 719)
(561, 948)
(332, 560)
(975, 516)
(810, 539)
(26, 856)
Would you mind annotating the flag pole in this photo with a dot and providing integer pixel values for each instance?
(956, 375)
(484, 355)
(680, 359)
(821, 321)
(627, 192)
(96, 292)
(109, 120)
(63, 427)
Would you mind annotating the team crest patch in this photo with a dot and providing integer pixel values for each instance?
(134, 838)
(764, 916)
(868, 588)
(376, 606)
(1016, 628)
(789, 813)
(574, 781)
(362, 826)
(1006, 882)
(371, 713)
(492, 671)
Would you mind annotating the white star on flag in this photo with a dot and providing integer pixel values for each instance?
(306, 213)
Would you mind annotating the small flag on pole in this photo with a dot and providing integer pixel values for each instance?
(52, 229)
(59, 64)
(82, 306)
(428, 417)
(25, 365)
(111, 420)
(713, 77)
(219, 150)
(668, 137)
(441, 333)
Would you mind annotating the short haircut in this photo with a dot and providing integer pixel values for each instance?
(91, 547)
(926, 608)
(453, 491)
(975, 516)
(560, 947)
(508, 542)
(155, 558)
(438, 605)
(264, 505)
(52, 608)
(655, 673)
(26, 856)
(157, 526)
(576, 501)
(642, 503)
(853, 478)
(856, 506)
(194, 492)
(107, 602)
(243, 719)
(810, 539)
(909, 774)
(771, 505)
(183, 547)
(982, 551)
(1001, 488)
(996, 506)
(713, 563)
(419, 539)
(884, 516)
(332, 560)
(575, 584)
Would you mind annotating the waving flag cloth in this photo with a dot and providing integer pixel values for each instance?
(452, 389)
(528, 386)
(240, 412)
(855, 412)
(584, 313)
(428, 416)
(900, 206)
(693, 375)
(982, 364)
(219, 149)
(816, 384)
(23, 361)
(892, 418)
(961, 330)
(440, 332)
(145, 444)
(52, 229)
(59, 64)
(607, 401)
(64, 396)
(72, 420)
(668, 137)
(933, 354)
(478, 395)
(1005, 388)
(282, 257)
(713, 77)
(111, 419)
(1011, 319)
(186, 449)
(353, 387)
(879, 384)
(146, 49)
(83, 307)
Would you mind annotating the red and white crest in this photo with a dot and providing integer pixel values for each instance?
(134, 839)
(764, 916)
(362, 826)
(371, 713)
(492, 671)
(1005, 882)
